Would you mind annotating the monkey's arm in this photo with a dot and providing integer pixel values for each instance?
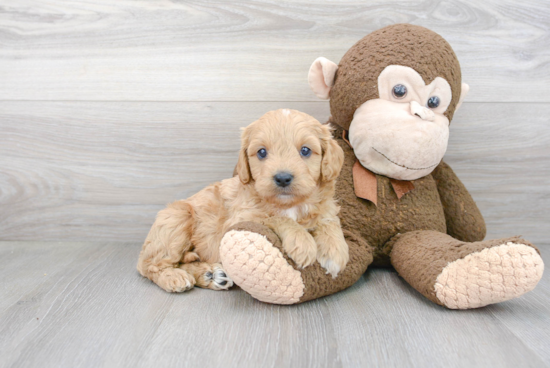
(463, 218)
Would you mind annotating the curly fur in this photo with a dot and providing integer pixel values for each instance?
(304, 214)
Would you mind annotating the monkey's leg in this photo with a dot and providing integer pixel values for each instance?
(462, 275)
(253, 257)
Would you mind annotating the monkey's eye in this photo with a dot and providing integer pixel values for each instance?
(433, 102)
(305, 151)
(399, 91)
(262, 153)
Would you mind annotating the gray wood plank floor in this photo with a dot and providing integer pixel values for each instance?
(109, 110)
(85, 305)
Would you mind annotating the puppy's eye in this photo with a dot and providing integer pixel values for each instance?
(262, 153)
(399, 91)
(433, 102)
(305, 151)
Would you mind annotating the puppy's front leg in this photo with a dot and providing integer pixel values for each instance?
(332, 249)
(297, 242)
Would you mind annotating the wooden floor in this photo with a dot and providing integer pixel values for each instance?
(111, 109)
(85, 305)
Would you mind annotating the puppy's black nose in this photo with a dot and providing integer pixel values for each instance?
(283, 179)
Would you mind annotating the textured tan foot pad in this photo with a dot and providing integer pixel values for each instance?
(490, 276)
(259, 268)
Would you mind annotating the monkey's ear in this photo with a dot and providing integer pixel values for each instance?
(321, 77)
(464, 91)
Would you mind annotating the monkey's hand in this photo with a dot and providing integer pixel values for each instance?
(463, 218)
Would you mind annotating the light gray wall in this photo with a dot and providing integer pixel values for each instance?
(109, 110)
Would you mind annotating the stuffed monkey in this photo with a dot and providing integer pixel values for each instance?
(392, 98)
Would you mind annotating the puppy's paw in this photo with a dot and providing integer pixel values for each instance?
(215, 278)
(333, 257)
(220, 280)
(331, 266)
(301, 247)
(175, 280)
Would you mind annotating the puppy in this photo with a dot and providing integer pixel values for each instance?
(286, 172)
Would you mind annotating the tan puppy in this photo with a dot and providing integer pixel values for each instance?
(287, 168)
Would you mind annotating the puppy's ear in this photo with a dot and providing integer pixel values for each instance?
(333, 158)
(243, 167)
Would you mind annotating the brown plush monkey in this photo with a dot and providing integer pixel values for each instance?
(392, 98)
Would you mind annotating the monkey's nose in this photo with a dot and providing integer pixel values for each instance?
(422, 112)
(283, 179)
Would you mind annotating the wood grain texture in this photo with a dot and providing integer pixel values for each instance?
(101, 170)
(250, 50)
(85, 305)
(109, 110)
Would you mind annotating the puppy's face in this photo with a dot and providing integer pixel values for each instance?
(287, 155)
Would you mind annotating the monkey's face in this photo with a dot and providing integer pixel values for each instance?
(395, 91)
(403, 134)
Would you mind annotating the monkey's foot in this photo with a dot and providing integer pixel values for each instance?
(490, 276)
(251, 256)
(462, 275)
